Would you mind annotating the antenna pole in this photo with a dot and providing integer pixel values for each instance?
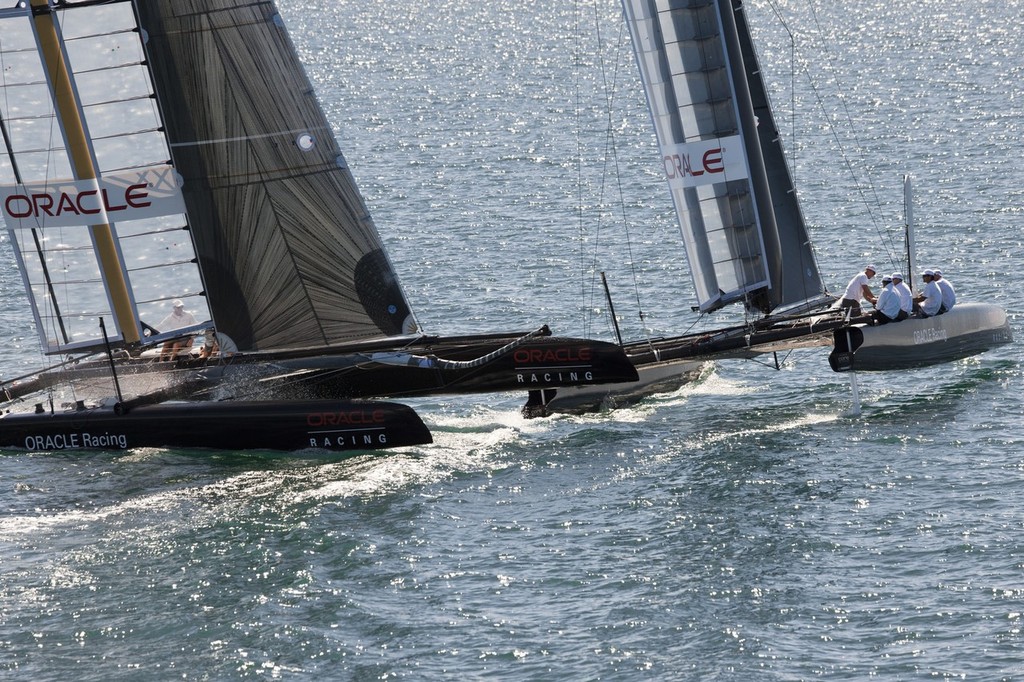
(611, 307)
(908, 209)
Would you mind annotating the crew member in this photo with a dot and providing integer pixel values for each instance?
(888, 304)
(948, 293)
(178, 319)
(906, 297)
(857, 289)
(929, 301)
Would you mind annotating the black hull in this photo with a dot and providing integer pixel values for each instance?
(290, 426)
(536, 364)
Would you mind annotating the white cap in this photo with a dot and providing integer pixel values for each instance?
(928, 273)
(898, 276)
(885, 279)
(177, 303)
(937, 272)
(872, 268)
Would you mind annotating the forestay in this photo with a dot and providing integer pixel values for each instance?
(695, 57)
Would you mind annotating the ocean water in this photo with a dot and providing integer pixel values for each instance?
(744, 527)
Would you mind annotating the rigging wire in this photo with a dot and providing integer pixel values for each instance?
(580, 231)
(789, 154)
(885, 236)
(609, 87)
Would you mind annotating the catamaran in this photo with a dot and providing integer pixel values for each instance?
(174, 151)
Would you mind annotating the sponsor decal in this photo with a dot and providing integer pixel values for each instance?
(929, 335)
(527, 378)
(705, 162)
(365, 429)
(348, 440)
(348, 418)
(144, 193)
(67, 441)
(569, 364)
(546, 356)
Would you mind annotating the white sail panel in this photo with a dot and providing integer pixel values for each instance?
(684, 59)
(691, 164)
(147, 193)
(50, 208)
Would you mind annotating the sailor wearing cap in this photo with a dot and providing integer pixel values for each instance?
(178, 319)
(906, 297)
(948, 294)
(930, 299)
(888, 304)
(857, 289)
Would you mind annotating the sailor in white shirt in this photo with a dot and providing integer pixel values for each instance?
(888, 304)
(930, 299)
(178, 319)
(857, 289)
(948, 293)
(906, 297)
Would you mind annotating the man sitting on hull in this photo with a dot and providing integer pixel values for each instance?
(887, 305)
(929, 301)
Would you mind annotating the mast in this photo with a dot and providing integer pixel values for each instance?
(736, 44)
(908, 209)
(82, 163)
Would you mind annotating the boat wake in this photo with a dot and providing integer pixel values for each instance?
(810, 420)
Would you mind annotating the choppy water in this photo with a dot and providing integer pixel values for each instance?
(741, 528)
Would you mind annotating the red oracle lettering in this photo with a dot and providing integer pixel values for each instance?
(134, 197)
(84, 195)
(42, 204)
(86, 202)
(356, 417)
(544, 355)
(713, 162)
(678, 165)
(9, 206)
(65, 205)
(110, 207)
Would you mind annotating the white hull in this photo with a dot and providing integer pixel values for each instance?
(968, 329)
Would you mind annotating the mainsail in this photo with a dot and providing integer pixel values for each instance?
(290, 255)
(207, 99)
(722, 157)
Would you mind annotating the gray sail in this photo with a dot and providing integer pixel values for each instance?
(289, 253)
(691, 55)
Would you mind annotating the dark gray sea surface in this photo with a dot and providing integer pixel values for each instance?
(746, 526)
